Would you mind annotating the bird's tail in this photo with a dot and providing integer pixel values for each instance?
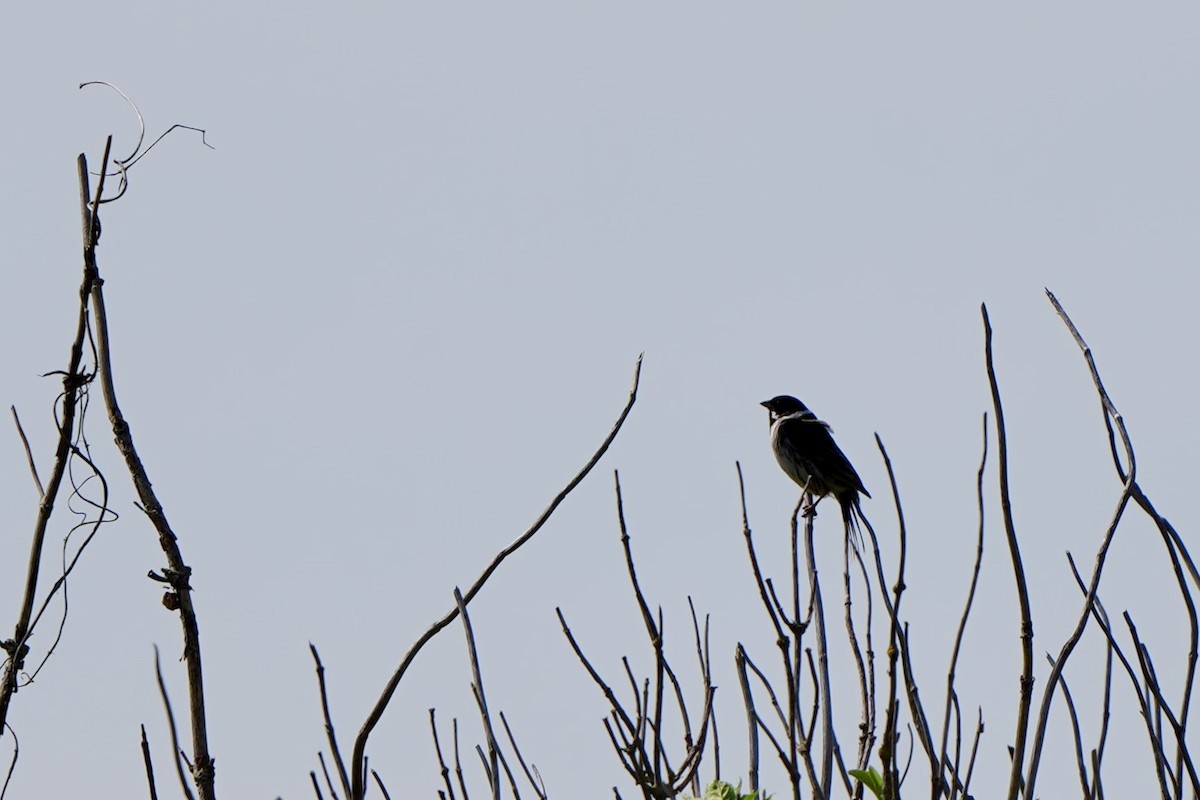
(851, 512)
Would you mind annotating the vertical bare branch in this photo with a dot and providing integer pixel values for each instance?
(758, 576)
(891, 776)
(974, 752)
(334, 750)
(328, 778)
(492, 760)
(437, 746)
(865, 700)
(962, 624)
(1105, 709)
(175, 749)
(826, 690)
(458, 770)
(1026, 687)
(12, 765)
(177, 573)
(149, 764)
(74, 384)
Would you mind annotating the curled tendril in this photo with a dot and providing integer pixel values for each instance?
(122, 165)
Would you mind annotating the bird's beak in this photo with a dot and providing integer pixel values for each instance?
(765, 404)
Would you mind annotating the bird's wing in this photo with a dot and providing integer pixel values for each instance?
(814, 439)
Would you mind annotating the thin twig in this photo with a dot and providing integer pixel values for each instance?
(162, 691)
(974, 752)
(864, 728)
(379, 782)
(104, 515)
(328, 778)
(149, 764)
(437, 746)
(480, 698)
(618, 710)
(758, 577)
(1101, 618)
(330, 733)
(1105, 714)
(28, 452)
(538, 788)
(12, 765)
(458, 770)
(1151, 680)
(653, 632)
(824, 683)
(1077, 734)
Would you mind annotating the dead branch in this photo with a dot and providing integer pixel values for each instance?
(962, 623)
(75, 381)
(357, 782)
(175, 749)
(149, 764)
(493, 748)
(334, 750)
(177, 573)
(1026, 686)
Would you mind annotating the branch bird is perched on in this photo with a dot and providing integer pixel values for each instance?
(804, 447)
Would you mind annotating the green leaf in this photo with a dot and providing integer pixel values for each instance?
(719, 790)
(869, 778)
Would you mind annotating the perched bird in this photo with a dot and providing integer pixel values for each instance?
(804, 447)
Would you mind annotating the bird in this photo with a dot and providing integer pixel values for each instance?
(805, 449)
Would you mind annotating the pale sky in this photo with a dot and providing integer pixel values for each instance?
(365, 340)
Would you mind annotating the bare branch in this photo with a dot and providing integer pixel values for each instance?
(437, 746)
(12, 765)
(1080, 762)
(823, 682)
(530, 773)
(166, 699)
(962, 624)
(481, 700)
(758, 577)
(1026, 686)
(458, 770)
(330, 733)
(360, 743)
(28, 452)
(146, 760)
(1101, 617)
(75, 381)
(328, 778)
(178, 572)
(379, 782)
(1151, 680)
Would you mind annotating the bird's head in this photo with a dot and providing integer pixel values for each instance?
(784, 406)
